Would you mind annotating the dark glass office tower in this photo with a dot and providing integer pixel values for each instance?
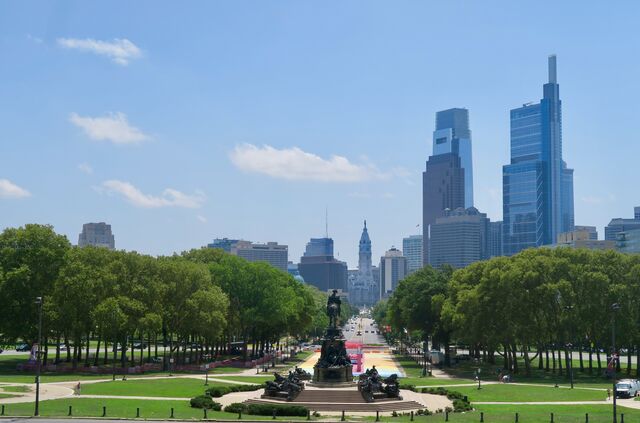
(537, 185)
(442, 188)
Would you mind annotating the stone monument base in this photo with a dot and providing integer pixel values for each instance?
(331, 375)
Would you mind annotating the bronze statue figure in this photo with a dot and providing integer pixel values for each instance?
(333, 309)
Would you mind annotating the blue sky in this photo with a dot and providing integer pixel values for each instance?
(185, 121)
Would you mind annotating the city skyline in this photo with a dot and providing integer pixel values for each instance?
(178, 135)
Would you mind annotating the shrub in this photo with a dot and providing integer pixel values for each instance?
(205, 401)
(459, 402)
(460, 405)
(236, 407)
(280, 410)
(218, 391)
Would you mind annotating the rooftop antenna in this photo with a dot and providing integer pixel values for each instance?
(326, 222)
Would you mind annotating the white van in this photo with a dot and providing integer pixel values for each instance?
(627, 388)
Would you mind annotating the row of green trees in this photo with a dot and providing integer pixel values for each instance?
(539, 304)
(195, 303)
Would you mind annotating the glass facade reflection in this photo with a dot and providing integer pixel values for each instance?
(537, 185)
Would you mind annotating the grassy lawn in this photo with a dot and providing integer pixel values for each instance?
(489, 372)
(15, 389)
(5, 395)
(123, 408)
(176, 388)
(432, 381)
(249, 379)
(410, 367)
(526, 414)
(521, 393)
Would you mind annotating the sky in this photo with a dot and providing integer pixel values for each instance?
(180, 122)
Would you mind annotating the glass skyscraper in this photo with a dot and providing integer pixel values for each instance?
(537, 185)
(447, 182)
(452, 135)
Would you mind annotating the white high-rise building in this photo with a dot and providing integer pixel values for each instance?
(393, 269)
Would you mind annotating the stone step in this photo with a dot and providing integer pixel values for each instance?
(386, 406)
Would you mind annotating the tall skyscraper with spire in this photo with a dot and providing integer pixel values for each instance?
(362, 287)
(537, 185)
(447, 182)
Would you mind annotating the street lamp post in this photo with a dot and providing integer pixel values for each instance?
(38, 368)
(478, 377)
(614, 357)
(569, 346)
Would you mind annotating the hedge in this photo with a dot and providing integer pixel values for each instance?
(219, 391)
(205, 401)
(280, 410)
(236, 407)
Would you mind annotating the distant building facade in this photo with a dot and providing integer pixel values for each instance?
(592, 231)
(628, 241)
(223, 243)
(322, 270)
(273, 253)
(98, 235)
(319, 247)
(412, 249)
(442, 188)
(495, 239)
(584, 237)
(459, 238)
(618, 225)
(393, 269)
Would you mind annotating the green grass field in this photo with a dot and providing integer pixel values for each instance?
(125, 408)
(176, 388)
(523, 393)
(249, 379)
(15, 388)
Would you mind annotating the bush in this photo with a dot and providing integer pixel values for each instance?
(236, 407)
(205, 401)
(218, 391)
(460, 405)
(280, 410)
(459, 402)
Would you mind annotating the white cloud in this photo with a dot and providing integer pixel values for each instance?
(119, 50)
(169, 197)
(201, 218)
(296, 164)
(10, 190)
(86, 168)
(113, 127)
(35, 39)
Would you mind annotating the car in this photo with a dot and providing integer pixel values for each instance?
(23, 347)
(359, 333)
(139, 345)
(627, 388)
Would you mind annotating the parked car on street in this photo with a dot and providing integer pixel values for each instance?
(627, 388)
(23, 347)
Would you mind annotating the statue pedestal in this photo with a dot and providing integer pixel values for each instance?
(334, 365)
(332, 375)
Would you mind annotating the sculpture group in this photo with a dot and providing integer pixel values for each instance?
(372, 386)
(284, 387)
